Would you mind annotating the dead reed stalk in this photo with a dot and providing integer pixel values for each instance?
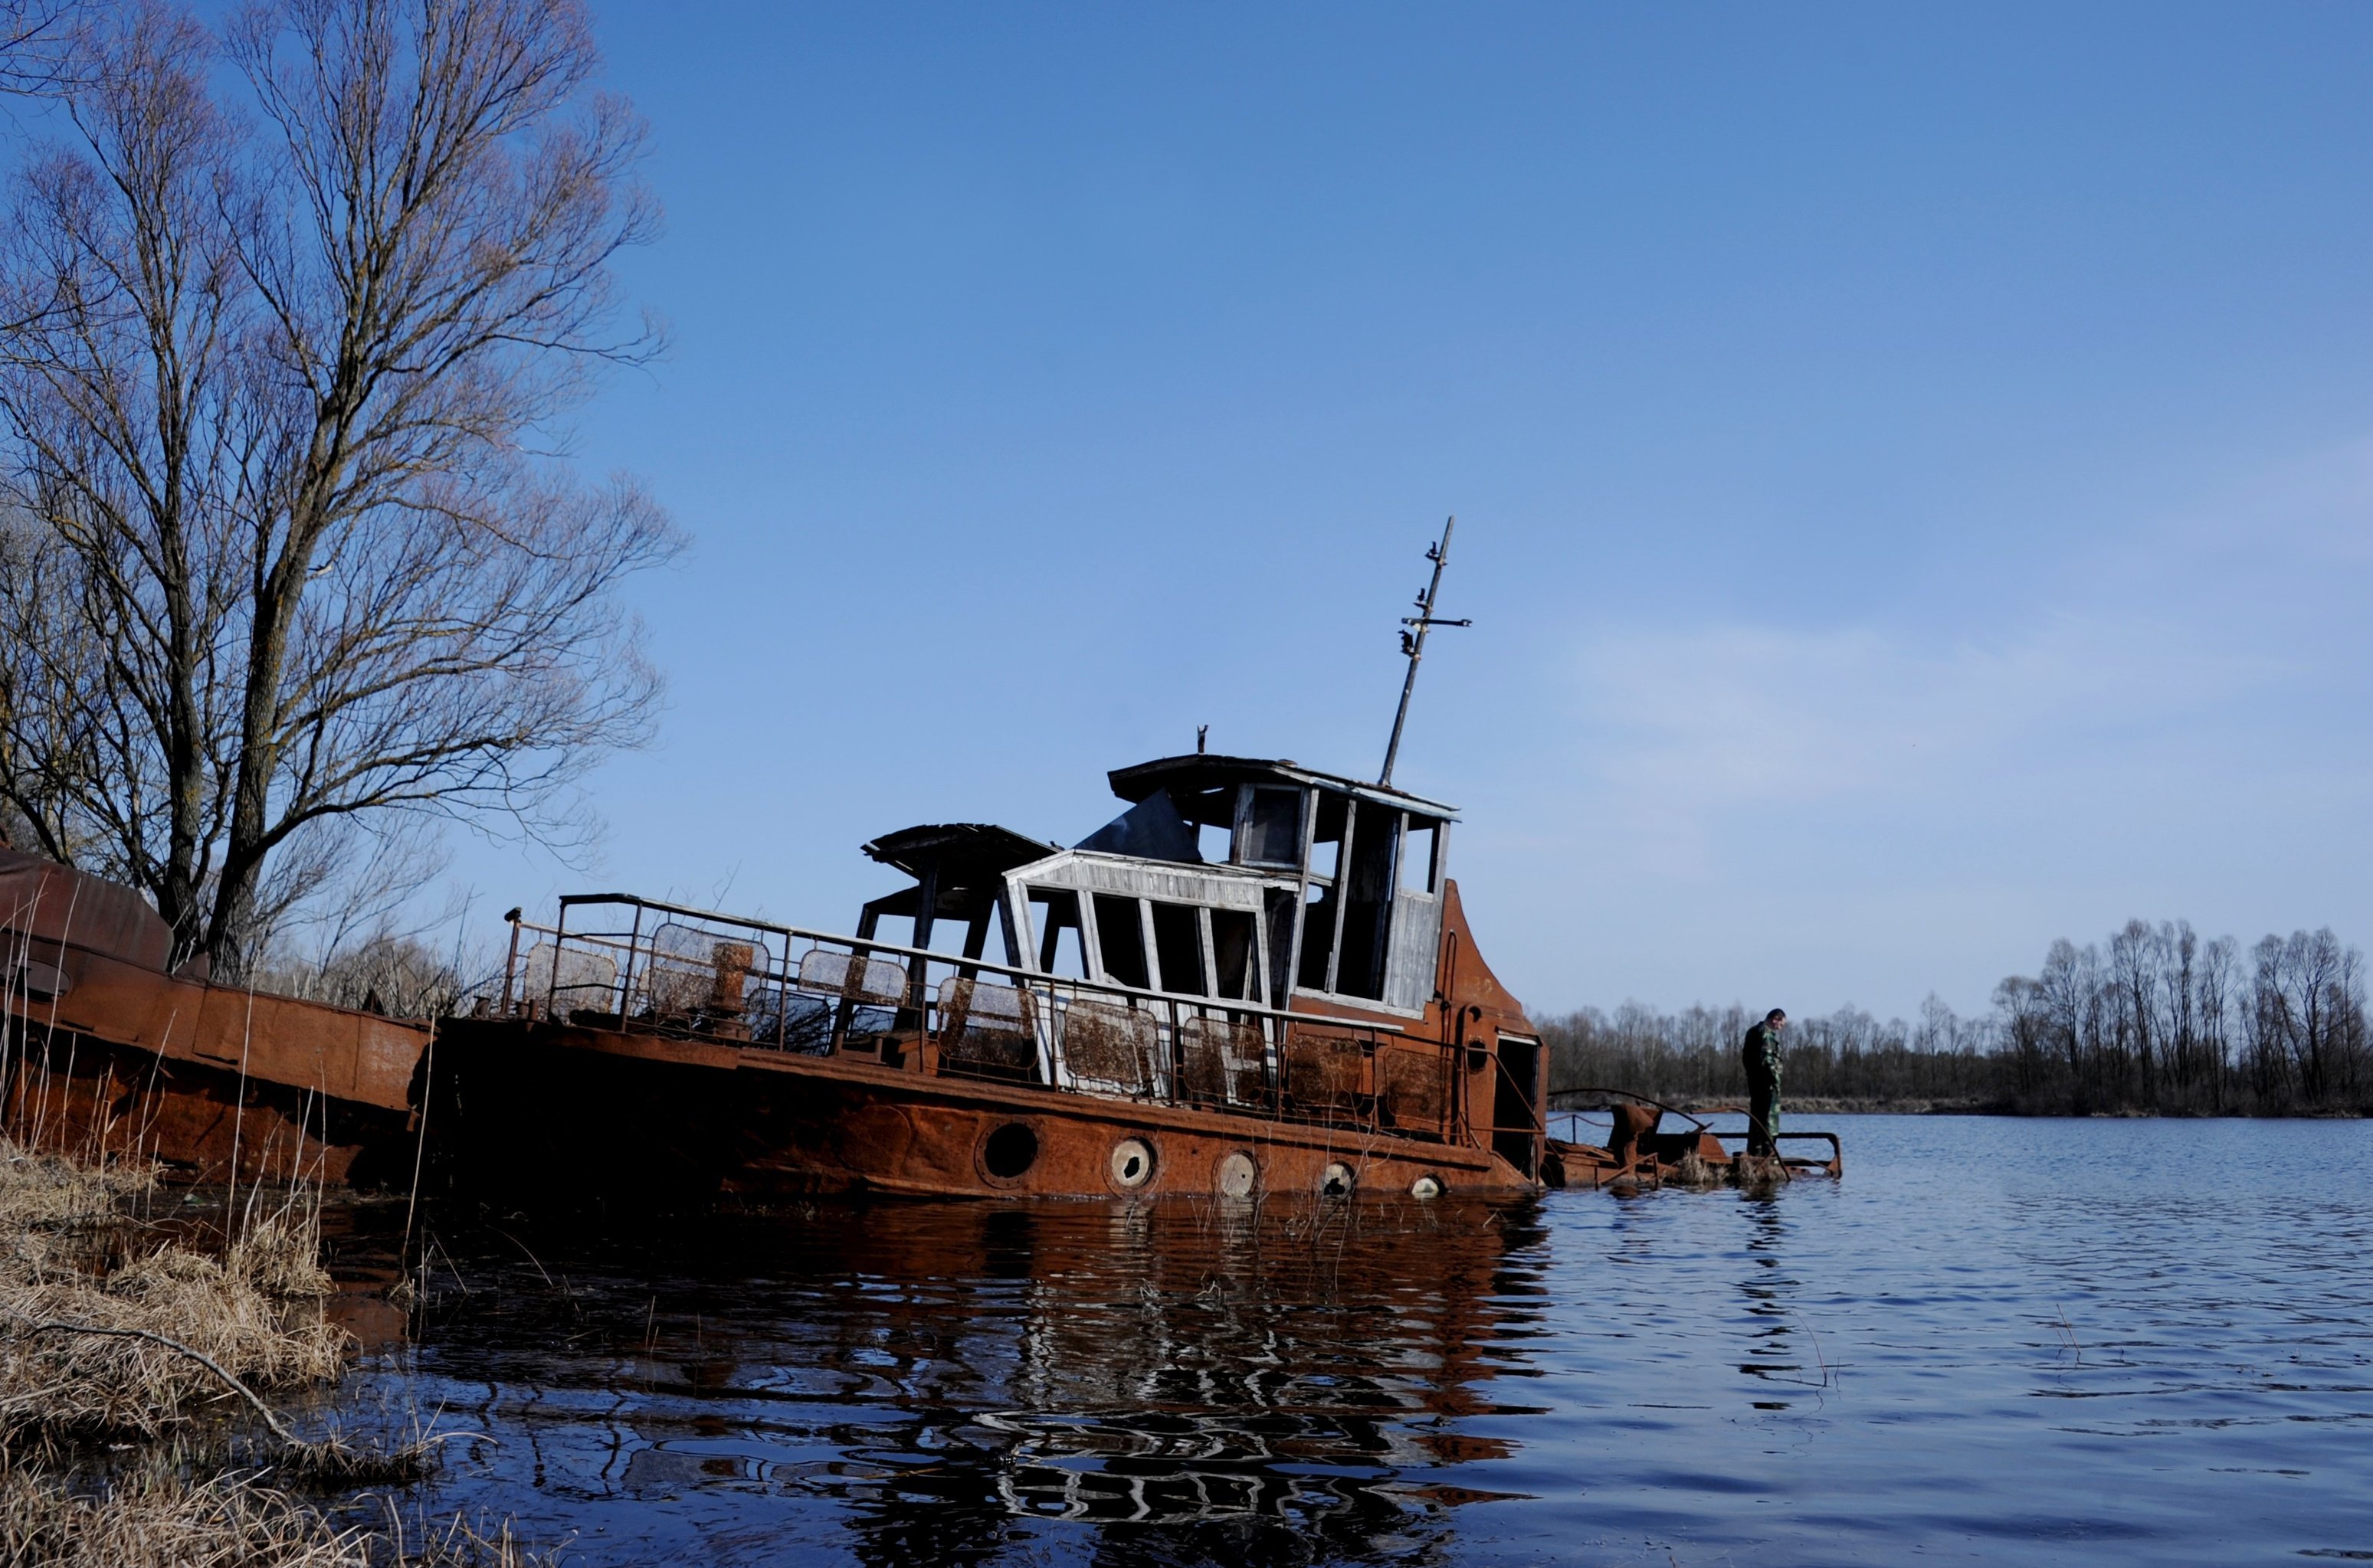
(155, 1518)
(110, 1333)
(132, 1349)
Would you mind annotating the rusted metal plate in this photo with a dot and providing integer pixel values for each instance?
(1414, 1087)
(120, 1058)
(1322, 1074)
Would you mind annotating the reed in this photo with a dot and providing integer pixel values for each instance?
(93, 1348)
(130, 1361)
(156, 1519)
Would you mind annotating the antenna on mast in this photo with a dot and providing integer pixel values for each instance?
(1413, 643)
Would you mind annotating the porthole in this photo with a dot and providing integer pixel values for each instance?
(1335, 1182)
(1237, 1175)
(1426, 1185)
(34, 978)
(1008, 1152)
(1132, 1164)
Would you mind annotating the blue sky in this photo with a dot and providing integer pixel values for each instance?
(1912, 466)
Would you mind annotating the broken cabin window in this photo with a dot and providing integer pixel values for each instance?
(1120, 941)
(1315, 971)
(1421, 870)
(1213, 814)
(1273, 827)
(1276, 906)
(1211, 839)
(1232, 954)
(1178, 947)
(1367, 900)
(1055, 916)
(1326, 834)
(1317, 937)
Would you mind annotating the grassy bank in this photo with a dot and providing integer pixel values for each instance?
(139, 1373)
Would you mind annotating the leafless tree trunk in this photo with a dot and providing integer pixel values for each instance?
(2273, 1023)
(274, 407)
(2215, 991)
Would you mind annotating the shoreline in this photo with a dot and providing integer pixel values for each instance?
(1851, 1105)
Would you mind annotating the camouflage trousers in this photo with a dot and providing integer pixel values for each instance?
(1763, 1114)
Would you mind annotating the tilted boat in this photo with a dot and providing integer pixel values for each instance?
(103, 1052)
(1258, 979)
(1304, 1010)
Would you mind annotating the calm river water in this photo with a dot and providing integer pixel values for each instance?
(1995, 1341)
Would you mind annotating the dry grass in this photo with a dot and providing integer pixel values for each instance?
(81, 1351)
(161, 1520)
(154, 1519)
(41, 1192)
(116, 1341)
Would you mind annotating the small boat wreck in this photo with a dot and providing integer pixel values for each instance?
(105, 1054)
(1258, 979)
(1639, 1153)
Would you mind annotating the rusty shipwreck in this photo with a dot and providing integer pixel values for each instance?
(1258, 979)
(104, 1053)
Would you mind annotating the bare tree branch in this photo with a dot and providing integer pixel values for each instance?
(283, 551)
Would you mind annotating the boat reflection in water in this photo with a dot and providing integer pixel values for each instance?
(945, 1380)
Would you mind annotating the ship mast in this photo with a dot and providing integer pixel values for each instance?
(1413, 643)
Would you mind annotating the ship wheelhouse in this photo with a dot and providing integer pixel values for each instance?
(1227, 878)
(1248, 879)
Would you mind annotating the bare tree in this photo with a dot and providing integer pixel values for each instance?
(2134, 959)
(33, 42)
(2179, 953)
(2214, 995)
(2018, 1002)
(279, 415)
(2065, 993)
(2066, 1040)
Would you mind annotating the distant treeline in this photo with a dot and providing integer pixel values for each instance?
(2154, 1020)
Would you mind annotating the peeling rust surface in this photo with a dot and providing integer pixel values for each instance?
(119, 1059)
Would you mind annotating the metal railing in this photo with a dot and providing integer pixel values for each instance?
(618, 960)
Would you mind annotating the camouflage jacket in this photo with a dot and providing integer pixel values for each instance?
(1761, 1052)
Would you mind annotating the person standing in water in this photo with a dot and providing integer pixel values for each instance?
(1761, 1054)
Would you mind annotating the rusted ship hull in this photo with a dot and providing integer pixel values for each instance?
(546, 1110)
(103, 1053)
(740, 1059)
(75, 1093)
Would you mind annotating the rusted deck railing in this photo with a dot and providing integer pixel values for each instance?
(655, 967)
